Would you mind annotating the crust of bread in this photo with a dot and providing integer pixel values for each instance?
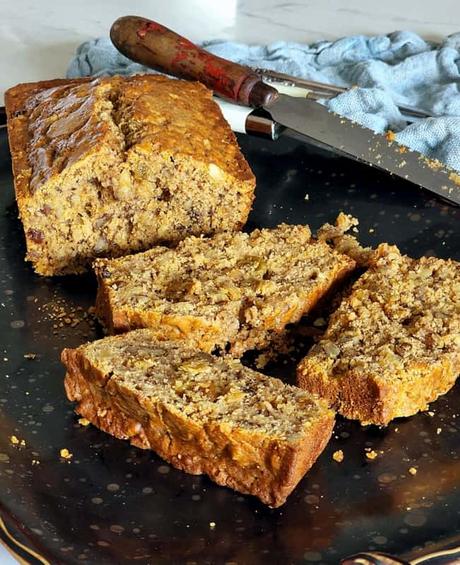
(182, 139)
(18, 137)
(392, 345)
(365, 398)
(228, 457)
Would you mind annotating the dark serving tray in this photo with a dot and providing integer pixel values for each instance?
(112, 503)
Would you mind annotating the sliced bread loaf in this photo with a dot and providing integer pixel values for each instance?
(393, 345)
(201, 413)
(232, 289)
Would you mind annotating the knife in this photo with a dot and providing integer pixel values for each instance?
(151, 44)
(318, 90)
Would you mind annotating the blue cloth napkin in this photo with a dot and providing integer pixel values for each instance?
(389, 70)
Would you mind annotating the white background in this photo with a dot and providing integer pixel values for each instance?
(38, 37)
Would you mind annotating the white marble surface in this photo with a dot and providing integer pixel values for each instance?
(6, 558)
(38, 37)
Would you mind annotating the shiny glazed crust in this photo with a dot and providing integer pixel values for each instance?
(108, 157)
(18, 135)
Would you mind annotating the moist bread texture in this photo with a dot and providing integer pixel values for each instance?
(345, 243)
(235, 291)
(201, 413)
(110, 166)
(393, 345)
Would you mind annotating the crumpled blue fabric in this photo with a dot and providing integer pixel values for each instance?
(387, 70)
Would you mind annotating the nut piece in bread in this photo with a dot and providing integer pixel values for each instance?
(238, 290)
(201, 413)
(393, 345)
(111, 166)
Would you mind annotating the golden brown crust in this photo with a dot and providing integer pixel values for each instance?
(200, 130)
(393, 344)
(371, 401)
(117, 154)
(16, 99)
(250, 462)
(145, 120)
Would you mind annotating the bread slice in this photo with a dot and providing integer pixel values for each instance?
(393, 345)
(201, 413)
(114, 165)
(235, 289)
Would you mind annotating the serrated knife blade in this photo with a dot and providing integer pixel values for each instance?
(316, 124)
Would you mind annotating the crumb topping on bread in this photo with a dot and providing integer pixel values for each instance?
(337, 236)
(230, 289)
(398, 327)
(202, 413)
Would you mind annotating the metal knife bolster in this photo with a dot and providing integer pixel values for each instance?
(246, 120)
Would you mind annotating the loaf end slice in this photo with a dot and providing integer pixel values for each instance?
(393, 345)
(201, 413)
(114, 165)
(232, 290)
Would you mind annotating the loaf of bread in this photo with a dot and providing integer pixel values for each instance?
(110, 166)
(393, 345)
(232, 290)
(201, 413)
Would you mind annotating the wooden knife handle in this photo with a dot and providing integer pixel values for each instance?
(151, 44)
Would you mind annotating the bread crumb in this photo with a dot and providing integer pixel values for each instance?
(65, 454)
(347, 244)
(83, 421)
(262, 360)
(338, 456)
(413, 471)
(430, 413)
(455, 178)
(390, 135)
(35, 462)
(30, 356)
(438, 430)
(16, 441)
(372, 455)
(212, 525)
(307, 196)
